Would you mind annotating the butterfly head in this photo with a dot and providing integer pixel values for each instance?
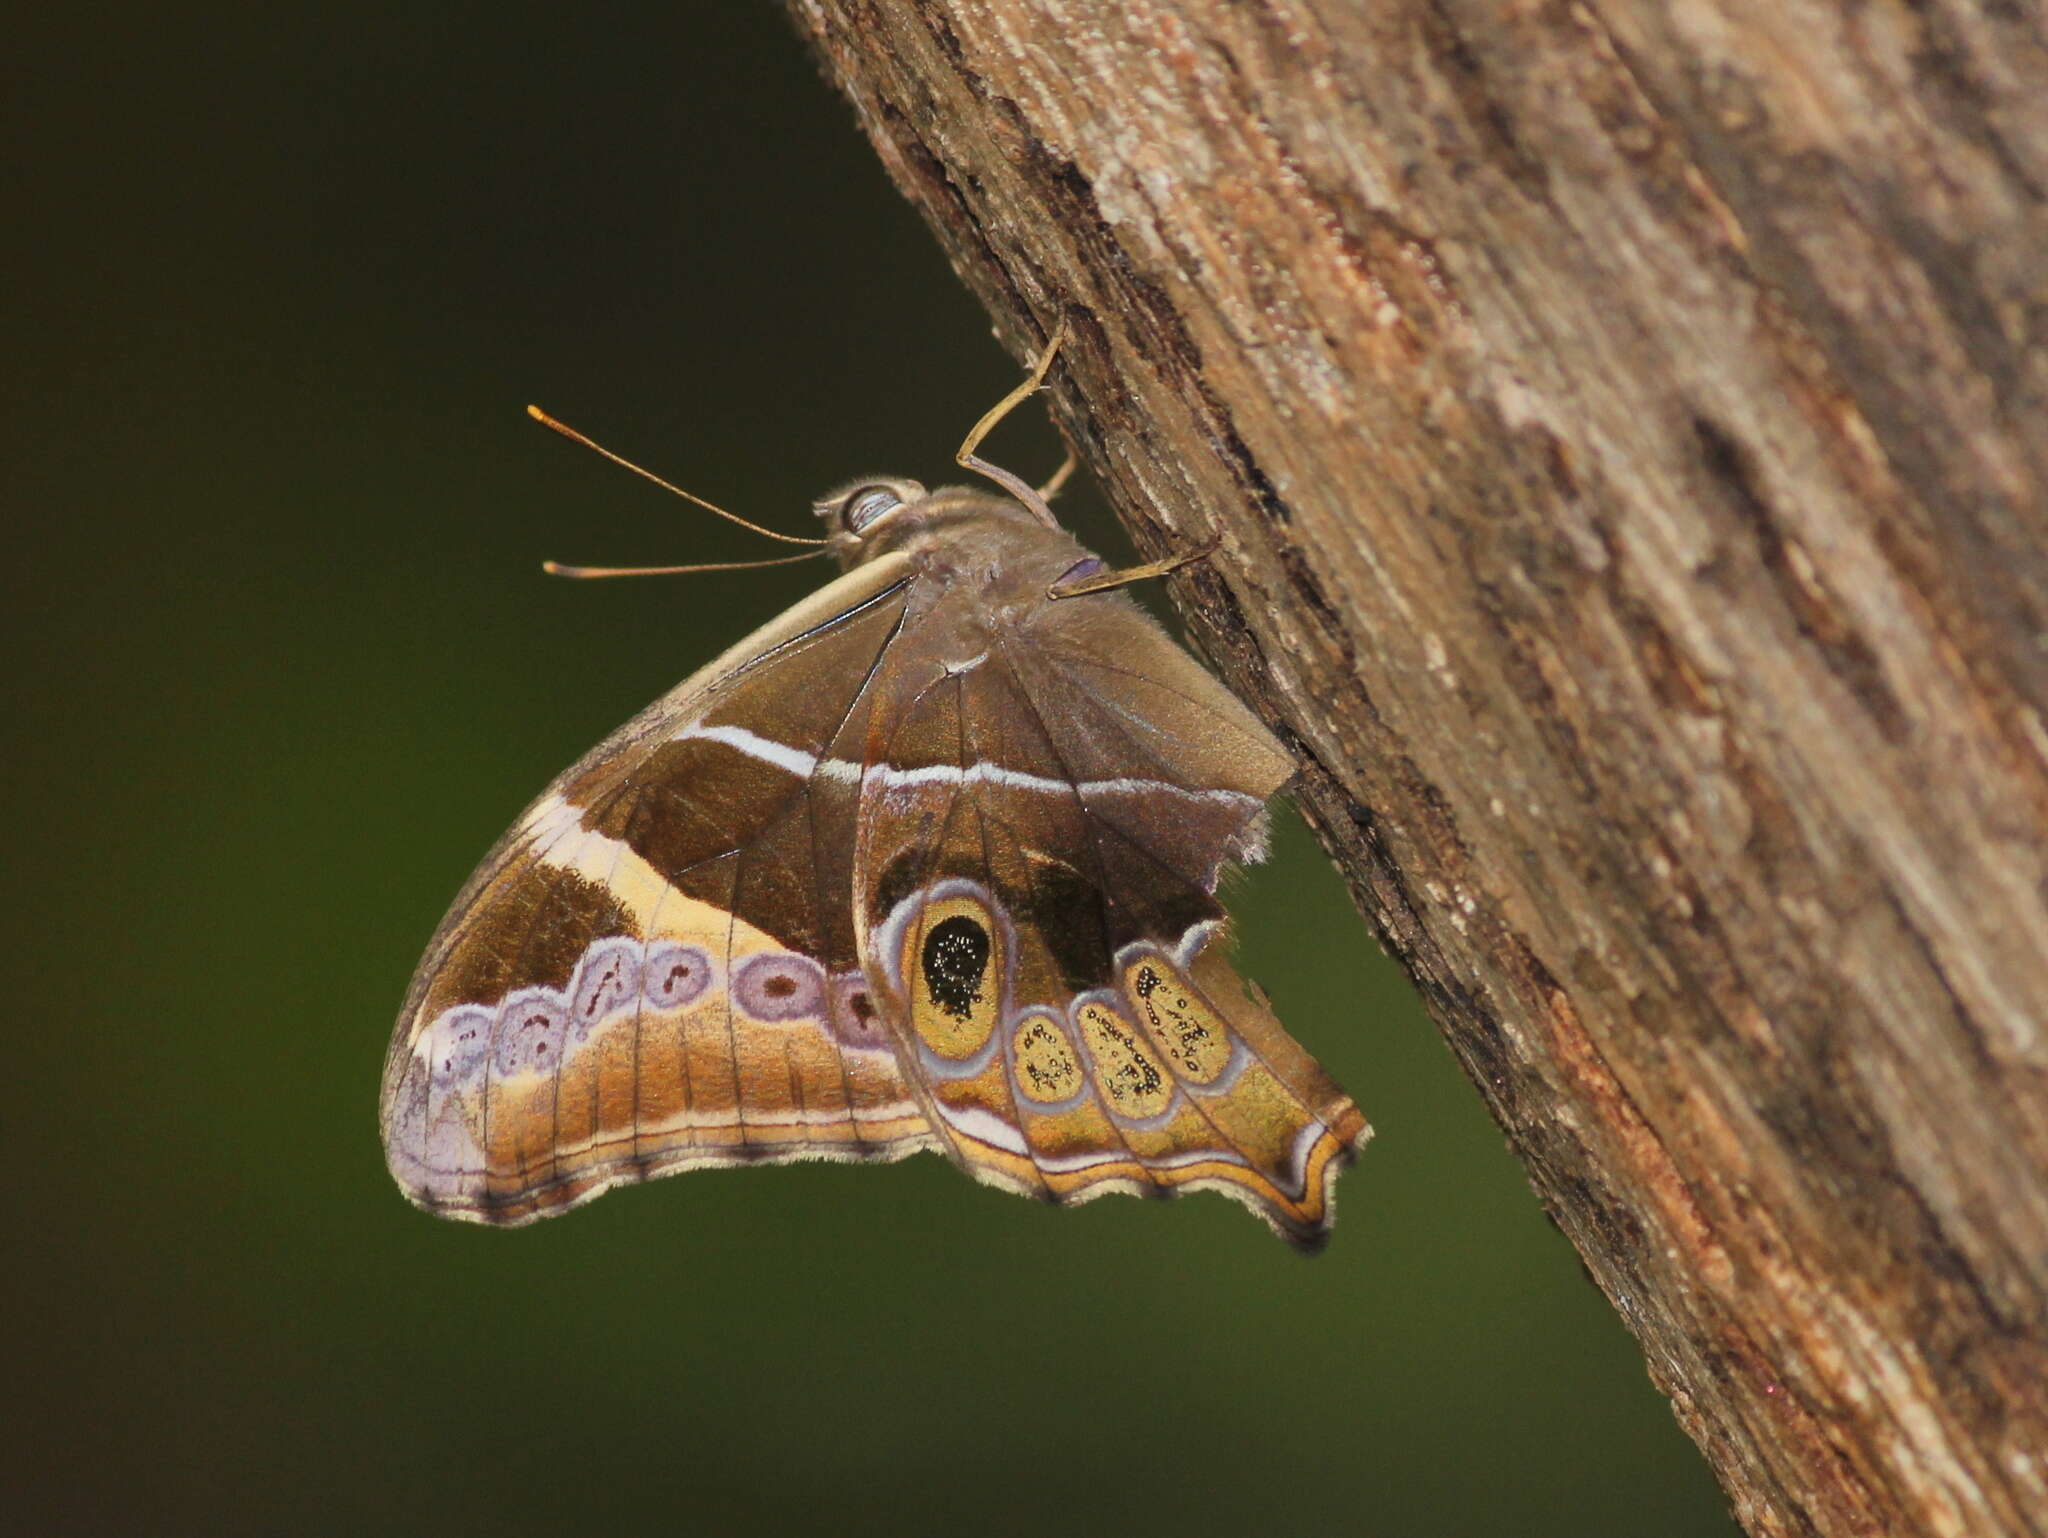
(857, 511)
(877, 514)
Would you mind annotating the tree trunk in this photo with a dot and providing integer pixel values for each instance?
(1626, 422)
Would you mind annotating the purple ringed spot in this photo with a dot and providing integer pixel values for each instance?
(607, 981)
(854, 1019)
(675, 975)
(530, 1031)
(457, 1044)
(779, 986)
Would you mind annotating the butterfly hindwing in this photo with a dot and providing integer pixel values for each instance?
(1039, 870)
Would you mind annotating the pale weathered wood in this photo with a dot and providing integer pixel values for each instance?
(1624, 421)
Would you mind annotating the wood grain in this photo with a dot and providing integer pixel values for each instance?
(1625, 427)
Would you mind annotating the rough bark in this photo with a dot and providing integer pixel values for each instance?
(1625, 425)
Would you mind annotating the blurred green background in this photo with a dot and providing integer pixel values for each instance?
(279, 284)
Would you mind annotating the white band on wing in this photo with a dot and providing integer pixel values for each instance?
(844, 770)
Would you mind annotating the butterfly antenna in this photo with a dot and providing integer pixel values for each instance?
(580, 572)
(559, 569)
(1015, 485)
(574, 436)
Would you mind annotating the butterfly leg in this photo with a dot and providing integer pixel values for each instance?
(967, 459)
(1103, 581)
(1052, 487)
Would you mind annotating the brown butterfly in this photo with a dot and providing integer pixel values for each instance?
(929, 861)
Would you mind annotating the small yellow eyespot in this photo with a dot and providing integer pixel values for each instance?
(1131, 1079)
(1184, 1024)
(1047, 1069)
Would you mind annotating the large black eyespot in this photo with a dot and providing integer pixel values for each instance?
(955, 961)
(865, 504)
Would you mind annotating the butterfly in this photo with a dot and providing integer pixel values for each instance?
(927, 862)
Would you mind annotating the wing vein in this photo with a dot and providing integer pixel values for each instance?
(1101, 888)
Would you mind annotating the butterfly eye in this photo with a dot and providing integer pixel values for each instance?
(864, 506)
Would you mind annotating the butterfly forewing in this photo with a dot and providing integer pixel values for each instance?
(643, 977)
